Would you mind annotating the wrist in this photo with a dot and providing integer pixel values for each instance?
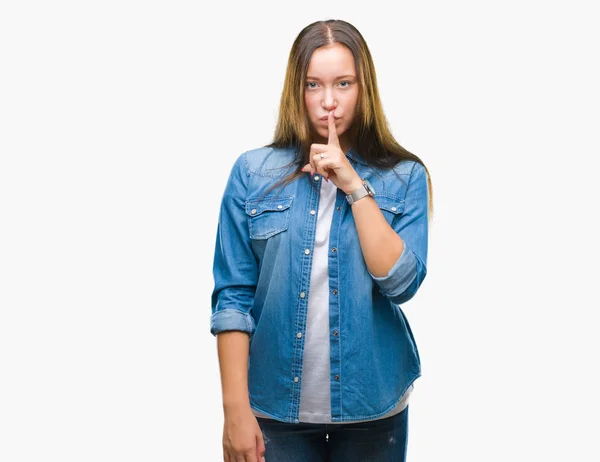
(236, 397)
(357, 183)
(235, 404)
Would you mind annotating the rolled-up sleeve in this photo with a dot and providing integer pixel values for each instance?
(235, 269)
(405, 277)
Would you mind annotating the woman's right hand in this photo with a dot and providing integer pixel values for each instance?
(242, 436)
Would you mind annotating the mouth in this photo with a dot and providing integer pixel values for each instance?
(327, 118)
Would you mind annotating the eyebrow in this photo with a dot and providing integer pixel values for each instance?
(340, 77)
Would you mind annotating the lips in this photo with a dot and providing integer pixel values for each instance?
(326, 117)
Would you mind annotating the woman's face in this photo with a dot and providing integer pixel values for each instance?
(331, 83)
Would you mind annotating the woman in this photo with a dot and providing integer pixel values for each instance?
(321, 235)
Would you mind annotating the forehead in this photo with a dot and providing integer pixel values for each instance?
(331, 61)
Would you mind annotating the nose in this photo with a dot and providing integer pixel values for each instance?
(328, 102)
(329, 106)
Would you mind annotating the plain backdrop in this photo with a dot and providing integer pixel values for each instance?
(119, 124)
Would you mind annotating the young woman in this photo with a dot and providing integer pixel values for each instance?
(322, 234)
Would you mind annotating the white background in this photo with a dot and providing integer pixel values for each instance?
(119, 123)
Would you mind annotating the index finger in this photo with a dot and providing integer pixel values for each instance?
(333, 138)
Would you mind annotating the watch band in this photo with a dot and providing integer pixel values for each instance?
(365, 190)
(357, 194)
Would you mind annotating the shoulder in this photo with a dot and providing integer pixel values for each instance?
(410, 169)
(394, 181)
(407, 167)
(404, 167)
(267, 161)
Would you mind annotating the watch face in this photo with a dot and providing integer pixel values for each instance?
(369, 187)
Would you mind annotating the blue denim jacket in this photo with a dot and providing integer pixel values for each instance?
(261, 269)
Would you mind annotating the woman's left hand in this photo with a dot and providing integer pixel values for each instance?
(334, 165)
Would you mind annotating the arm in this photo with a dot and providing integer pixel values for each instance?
(235, 269)
(396, 256)
(242, 436)
(233, 347)
(235, 272)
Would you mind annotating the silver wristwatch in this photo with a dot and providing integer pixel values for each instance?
(365, 190)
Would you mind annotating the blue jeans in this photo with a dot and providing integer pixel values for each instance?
(381, 440)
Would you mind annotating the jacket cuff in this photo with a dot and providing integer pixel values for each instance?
(231, 319)
(400, 276)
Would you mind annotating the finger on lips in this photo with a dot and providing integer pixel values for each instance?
(314, 157)
(333, 138)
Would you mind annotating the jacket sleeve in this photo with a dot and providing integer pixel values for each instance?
(235, 269)
(407, 274)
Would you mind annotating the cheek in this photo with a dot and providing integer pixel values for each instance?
(311, 106)
(351, 102)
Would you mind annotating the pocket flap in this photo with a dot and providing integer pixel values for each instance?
(278, 204)
(389, 202)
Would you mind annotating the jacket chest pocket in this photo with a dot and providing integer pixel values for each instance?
(390, 205)
(268, 216)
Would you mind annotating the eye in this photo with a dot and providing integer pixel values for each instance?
(345, 81)
(310, 83)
